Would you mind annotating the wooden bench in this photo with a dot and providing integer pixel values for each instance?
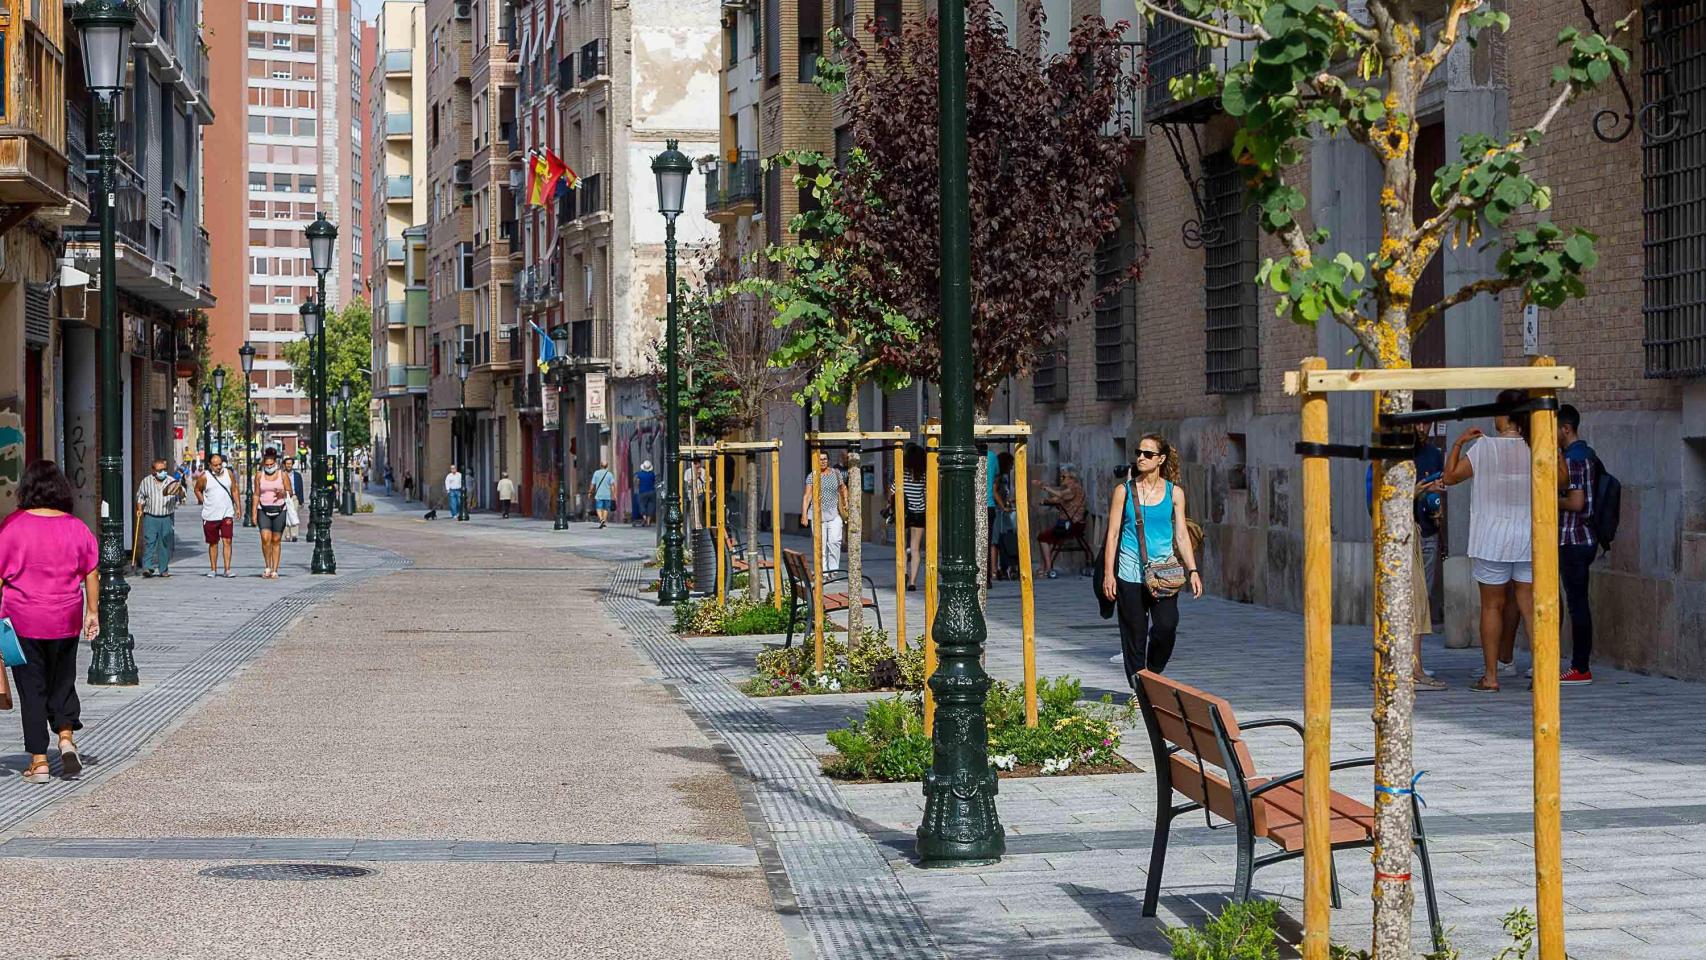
(738, 560)
(1194, 733)
(799, 571)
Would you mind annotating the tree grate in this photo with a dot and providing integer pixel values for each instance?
(286, 871)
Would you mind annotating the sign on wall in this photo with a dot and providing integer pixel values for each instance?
(596, 395)
(548, 408)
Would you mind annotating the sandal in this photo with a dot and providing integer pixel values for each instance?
(1425, 682)
(37, 772)
(70, 763)
(1482, 686)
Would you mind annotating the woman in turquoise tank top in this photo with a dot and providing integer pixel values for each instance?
(1148, 624)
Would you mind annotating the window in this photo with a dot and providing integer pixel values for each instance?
(811, 38)
(773, 205)
(281, 41)
(1673, 180)
(305, 45)
(808, 200)
(465, 266)
(307, 183)
(304, 126)
(257, 41)
(280, 126)
(281, 182)
(888, 16)
(257, 124)
(731, 40)
(1049, 378)
(843, 145)
(1229, 276)
(772, 40)
(1115, 318)
(281, 74)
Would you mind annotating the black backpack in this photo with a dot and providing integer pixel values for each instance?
(1607, 505)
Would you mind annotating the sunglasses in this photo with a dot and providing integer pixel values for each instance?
(1148, 454)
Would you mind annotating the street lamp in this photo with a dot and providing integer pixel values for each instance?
(462, 370)
(560, 382)
(103, 28)
(311, 330)
(672, 168)
(206, 422)
(219, 409)
(246, 356)
(960, 824)
(346, 391)
(322, 237)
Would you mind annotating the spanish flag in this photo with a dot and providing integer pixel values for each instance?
(538, 193)
(570, 179)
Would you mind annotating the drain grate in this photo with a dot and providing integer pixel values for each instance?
(286, 871)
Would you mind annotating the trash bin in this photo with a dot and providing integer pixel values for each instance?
(704, 561)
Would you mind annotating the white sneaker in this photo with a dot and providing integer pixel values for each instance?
(1510, 670)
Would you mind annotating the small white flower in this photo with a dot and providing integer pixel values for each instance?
(1056, 765)
(834, 685)
(1004, 761)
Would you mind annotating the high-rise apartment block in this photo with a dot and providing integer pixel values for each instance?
(290, 147)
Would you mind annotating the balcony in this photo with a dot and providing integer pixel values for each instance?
(510, 134)
(399, 62)
(594, 60)
(399, 125)
(399, 189)
(420, 378)
(584, 201)
(397, 376)
(1128, 120)
(589, 343)
(732, 189)
(417, 306)
(566, 74)
(396, 313)
(1172, 53)
(32, 172)
(394, 251)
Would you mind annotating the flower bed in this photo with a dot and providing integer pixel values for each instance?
(889, 744)
(739, 617)
(871, 664)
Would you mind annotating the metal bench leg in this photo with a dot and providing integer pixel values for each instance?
(1158, 851)
(793, 615)
(1333, 877)
(1246, 862)
(1421, 840)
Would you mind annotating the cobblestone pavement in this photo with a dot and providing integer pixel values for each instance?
(471, 728)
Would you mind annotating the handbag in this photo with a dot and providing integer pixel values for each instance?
(291, 516)
(10, 650)
(1105, 606)
(1164, 576)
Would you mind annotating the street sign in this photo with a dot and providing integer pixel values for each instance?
(1531, 331)
(595, 397)
(549, 414)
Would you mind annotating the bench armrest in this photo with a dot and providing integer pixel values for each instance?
(841, 576)
(1297, 775)
(1273, 722)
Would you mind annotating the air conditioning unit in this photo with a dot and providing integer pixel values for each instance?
(464, 11)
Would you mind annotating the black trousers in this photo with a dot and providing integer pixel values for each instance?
(47, 690)
(1148, 627)
(505, 504)
(1573, 564)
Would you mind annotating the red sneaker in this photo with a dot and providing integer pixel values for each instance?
(1576, 678)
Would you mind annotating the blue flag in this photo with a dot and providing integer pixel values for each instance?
(547, 347)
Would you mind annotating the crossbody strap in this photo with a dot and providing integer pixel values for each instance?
(1137, 511)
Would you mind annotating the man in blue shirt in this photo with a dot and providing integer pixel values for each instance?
(645, 491)
(1576, 544)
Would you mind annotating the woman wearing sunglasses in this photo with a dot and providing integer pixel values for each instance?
(1145, 565)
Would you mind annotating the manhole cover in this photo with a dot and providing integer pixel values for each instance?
(286, 871)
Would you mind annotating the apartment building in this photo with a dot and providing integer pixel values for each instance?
(531, 125)
(603, 85)
(290, 147)
(396, 202)
(49, 251)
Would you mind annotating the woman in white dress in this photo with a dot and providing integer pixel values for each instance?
(1501, 532)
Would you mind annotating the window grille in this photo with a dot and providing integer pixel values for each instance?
(1229, 268)
(1049, 379)
(1673, 185)
(1115, 322)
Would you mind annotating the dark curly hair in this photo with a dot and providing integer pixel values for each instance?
(44, 487)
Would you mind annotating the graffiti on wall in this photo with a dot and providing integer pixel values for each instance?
(11, 452)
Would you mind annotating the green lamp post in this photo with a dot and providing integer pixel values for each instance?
(960, 822)
(346, 393)
(672, 168)
(206, 422)
(246, 354)
(560, 382)
(219, 411)
(322, 236)
(310, 329)
(103, 28)
(463, 367)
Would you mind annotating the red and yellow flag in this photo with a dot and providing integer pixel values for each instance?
(538, 192)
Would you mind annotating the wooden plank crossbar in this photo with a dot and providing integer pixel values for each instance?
(1299, 382)
(988, 431)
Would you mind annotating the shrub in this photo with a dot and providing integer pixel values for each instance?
(738, 617)
(762, 618)
(887, 744)
(1242, 931)
(870, 664)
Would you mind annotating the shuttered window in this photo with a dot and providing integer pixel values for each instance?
(1229, 281)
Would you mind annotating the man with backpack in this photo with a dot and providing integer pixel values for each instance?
(1586, 522)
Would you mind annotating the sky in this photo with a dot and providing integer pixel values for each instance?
(369, 8)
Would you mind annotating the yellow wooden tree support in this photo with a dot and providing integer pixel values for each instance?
(1313, 382)
(839, 440)
(755, 451)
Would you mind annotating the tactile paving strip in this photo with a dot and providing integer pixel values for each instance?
(846, 893)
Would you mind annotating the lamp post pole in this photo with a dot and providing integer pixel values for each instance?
(346, 394)
(559, 383)
(219, 411)
(321, 236)
(247, 354)
(960, 822)
(206, 423)
(104, 27)
(671, 169)
(463, 365)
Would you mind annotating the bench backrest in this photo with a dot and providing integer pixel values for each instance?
(799, 578)
(1192, 732)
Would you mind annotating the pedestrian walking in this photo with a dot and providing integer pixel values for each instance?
(506, 492)
(1500, 532)
(1004, 528)
(293, 506)
(390, 481)
(831, 507)
(646, 490)
(217, 493)
(157, 496)
(910, 499)
(1074, 510)
(408, 485)
(1577, 545)
(603, 492)
(49, 568)
(272, 502)
(1148, 557)
(453, 487)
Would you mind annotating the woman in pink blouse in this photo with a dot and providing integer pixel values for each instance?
(48, 572)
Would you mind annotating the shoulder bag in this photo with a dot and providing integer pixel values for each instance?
(1164, 576)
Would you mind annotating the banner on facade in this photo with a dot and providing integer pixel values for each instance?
(548, 408)
(595, 396)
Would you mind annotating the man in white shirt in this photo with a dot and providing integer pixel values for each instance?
(506, 492)
(216, 491)
(453, 487)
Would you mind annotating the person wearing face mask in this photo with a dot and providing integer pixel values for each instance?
(156, 497)
(220, 501)
(272, 493)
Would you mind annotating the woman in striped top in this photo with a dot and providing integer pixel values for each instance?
(911, 496)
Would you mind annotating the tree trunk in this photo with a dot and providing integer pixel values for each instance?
(851, 531)
(981, 514)
(752, 466)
